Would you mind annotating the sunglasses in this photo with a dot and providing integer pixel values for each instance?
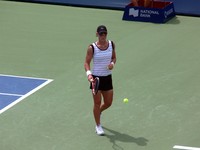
(102, 33)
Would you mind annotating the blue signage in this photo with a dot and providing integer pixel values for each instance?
(160, 12)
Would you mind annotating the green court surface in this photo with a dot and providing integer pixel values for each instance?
(157, 69)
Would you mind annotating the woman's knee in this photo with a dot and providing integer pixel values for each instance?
(108, 103)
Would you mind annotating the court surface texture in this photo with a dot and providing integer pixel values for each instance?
(157, 69)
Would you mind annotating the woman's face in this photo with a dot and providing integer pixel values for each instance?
(102, 36)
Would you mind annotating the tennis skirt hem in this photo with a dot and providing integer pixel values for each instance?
(105, 83)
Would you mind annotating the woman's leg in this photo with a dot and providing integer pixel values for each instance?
(108, 98)
(96, 107)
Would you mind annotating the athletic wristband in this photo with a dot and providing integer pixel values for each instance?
(112, 63)
(88, 72)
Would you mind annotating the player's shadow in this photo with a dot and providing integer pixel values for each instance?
(117, 136)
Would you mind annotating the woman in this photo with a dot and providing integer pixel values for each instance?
(104, 57)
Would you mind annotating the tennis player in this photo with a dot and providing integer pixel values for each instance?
(102, 52)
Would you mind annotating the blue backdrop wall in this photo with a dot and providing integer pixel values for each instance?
(183, 7)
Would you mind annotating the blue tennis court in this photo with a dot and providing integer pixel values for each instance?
(13, 89)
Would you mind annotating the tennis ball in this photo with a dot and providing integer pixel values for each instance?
(125, 100)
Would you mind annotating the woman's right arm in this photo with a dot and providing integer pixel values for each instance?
(88, 58)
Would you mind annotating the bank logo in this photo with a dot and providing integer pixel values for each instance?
(133, 12)
(169, 12)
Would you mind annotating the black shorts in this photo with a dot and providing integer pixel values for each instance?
(105, 83)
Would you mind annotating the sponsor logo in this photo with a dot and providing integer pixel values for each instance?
(142, 13)
(167, 13)
(148, 13)
(133, 12)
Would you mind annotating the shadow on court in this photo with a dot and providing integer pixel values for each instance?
(117, 136)
(174, 21)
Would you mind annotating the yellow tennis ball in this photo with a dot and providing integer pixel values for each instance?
(125, 100)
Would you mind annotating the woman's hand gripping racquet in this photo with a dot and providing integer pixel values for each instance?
(95, 85)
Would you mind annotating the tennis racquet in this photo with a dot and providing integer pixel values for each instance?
(95, 86)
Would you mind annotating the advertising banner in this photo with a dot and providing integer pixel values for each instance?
(160, 12)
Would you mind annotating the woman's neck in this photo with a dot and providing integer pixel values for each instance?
(102, 42)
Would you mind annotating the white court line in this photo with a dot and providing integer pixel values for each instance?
(185, 147)
(5, 75)
(26, 95)
(10, 94)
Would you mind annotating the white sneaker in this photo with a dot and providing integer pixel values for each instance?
(99, 130)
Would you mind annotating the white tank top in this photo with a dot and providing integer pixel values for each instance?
(101, 60)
